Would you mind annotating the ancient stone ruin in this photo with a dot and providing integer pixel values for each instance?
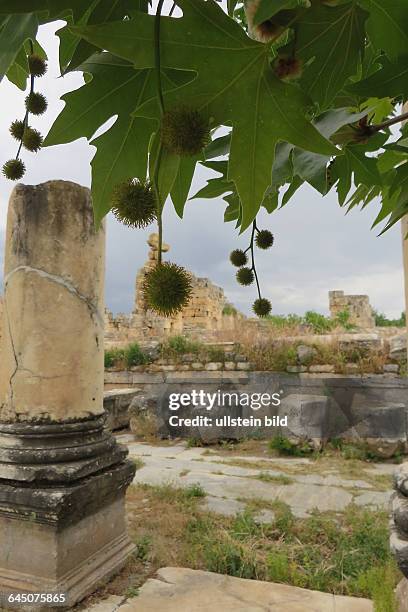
(358, 307)
(204, 317)
(63, 476)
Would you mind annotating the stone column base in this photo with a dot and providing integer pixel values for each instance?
(64, 539)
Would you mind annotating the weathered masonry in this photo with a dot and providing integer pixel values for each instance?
(62, 475)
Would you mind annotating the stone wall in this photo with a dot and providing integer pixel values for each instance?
(203, 317)
(361, 313)
(319, 407)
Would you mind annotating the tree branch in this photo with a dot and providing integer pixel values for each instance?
(388, 123)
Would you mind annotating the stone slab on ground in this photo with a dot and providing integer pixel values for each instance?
(229, 487)
(219, 505)
(178, 589)
(110, 604)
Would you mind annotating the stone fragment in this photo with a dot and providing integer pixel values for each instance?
(212, 366)
(352, 368)
(116, 404)
(398, 346)
(296, 369)
(321, 369)
(305, 353)
(229, 365)
(243, 365)
(391, 368)
(188, 358)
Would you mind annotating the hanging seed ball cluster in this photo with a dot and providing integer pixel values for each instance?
(245, 276)
(28, 137)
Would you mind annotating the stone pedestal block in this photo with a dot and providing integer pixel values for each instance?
(399, 519)
(63, 477)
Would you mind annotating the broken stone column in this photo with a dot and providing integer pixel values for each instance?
(63, 477)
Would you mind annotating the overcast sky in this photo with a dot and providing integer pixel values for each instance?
(317, 247)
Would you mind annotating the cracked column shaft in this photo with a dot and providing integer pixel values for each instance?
(63, 477)
(52, 349)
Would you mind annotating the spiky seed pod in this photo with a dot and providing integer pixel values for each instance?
(14, 169)
(17, 129)
(268, 30)
(288, 68)
(329, 174)
(245, 276)
(134, 203)
(238, 258)
(167, 288)
(184, 131)
(263, 32)
(262, 307)
(36, 103)
(264, 239)
(37, 65)
(32, 140)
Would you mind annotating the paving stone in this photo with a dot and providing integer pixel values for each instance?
(225, 483)
(374, 499)
(110, 604)
(219, 505)
(383, 468)
(177, 589)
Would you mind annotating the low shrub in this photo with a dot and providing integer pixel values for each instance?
(194, 490)
(316, 322)
(134, 355)
(381, 320)
(176, 346)
(277, 355)
(114, 357)
(284, 446)
(131, 355)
